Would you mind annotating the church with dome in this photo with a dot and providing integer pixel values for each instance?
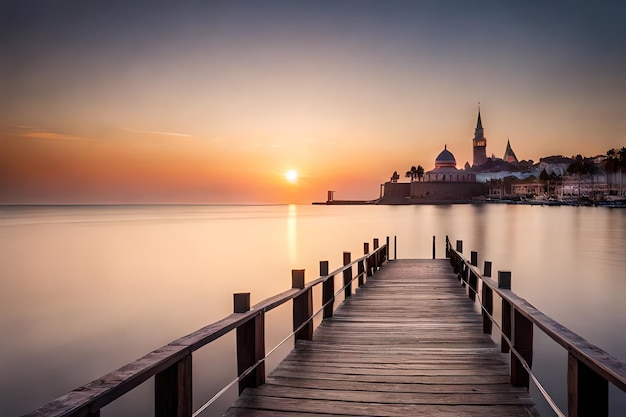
(446, 170)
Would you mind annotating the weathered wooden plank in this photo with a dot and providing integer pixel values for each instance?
(372, 409)
(439, 398)
(398, 379)
(410, 343)
(340, 384)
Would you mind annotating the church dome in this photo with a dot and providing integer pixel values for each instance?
(445, 159)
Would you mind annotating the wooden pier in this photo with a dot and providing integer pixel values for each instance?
(408, 339)
(409, 343)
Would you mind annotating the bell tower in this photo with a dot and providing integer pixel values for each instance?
(480, 143)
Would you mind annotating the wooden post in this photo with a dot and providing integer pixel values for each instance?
(463, 274)
(241, 302)
(433, 247)
(459, 246)
(376, 256)
(487, 298)
(250, 344)
(387, 248)
(395, 247)
(447, 247)
(302, 307)
(523, 344)
(173, 390)
(361, 272)
(347, 275)
(454, 260)
(369, 260)
(587, 392)
(472, 281)
(487, 269)
(504, 282)
(328, 290)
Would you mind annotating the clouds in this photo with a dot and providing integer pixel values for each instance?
(153, 132)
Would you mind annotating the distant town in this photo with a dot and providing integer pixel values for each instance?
(576, 180)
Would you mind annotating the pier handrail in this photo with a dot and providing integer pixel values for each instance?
(590, 368)
(171, 364)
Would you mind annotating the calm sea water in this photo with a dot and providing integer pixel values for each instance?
(88, 289)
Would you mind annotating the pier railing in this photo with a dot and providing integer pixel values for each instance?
(589, 368)
(171, 365)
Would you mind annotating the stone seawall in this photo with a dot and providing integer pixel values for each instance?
(431, 192)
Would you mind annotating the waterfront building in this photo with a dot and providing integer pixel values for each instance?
(447, 183)
(479, 143)
(509, 155)
(446, 170)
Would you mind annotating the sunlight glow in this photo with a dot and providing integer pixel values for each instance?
(291, 175)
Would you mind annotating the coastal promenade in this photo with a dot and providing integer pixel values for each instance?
(408, 343)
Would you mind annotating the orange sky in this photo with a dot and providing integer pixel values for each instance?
(118, 103)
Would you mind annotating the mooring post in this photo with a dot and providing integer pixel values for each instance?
(523, 344)
(587, 392)
(328, 290)
(347, 275)
(504, 282)
(250, 343)
(302, 307)
(369, 261)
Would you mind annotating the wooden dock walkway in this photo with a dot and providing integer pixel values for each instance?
(409, 343)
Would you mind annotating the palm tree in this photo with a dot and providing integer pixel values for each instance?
(577, 167)
(621, 165)
(582, 166)
(610, 166)
(420, 172)
(412, 173)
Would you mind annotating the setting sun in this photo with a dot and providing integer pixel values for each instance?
(291, 175)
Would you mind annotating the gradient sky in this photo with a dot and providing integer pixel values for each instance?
(212, 102)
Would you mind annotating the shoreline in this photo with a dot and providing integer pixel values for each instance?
(418, 202)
